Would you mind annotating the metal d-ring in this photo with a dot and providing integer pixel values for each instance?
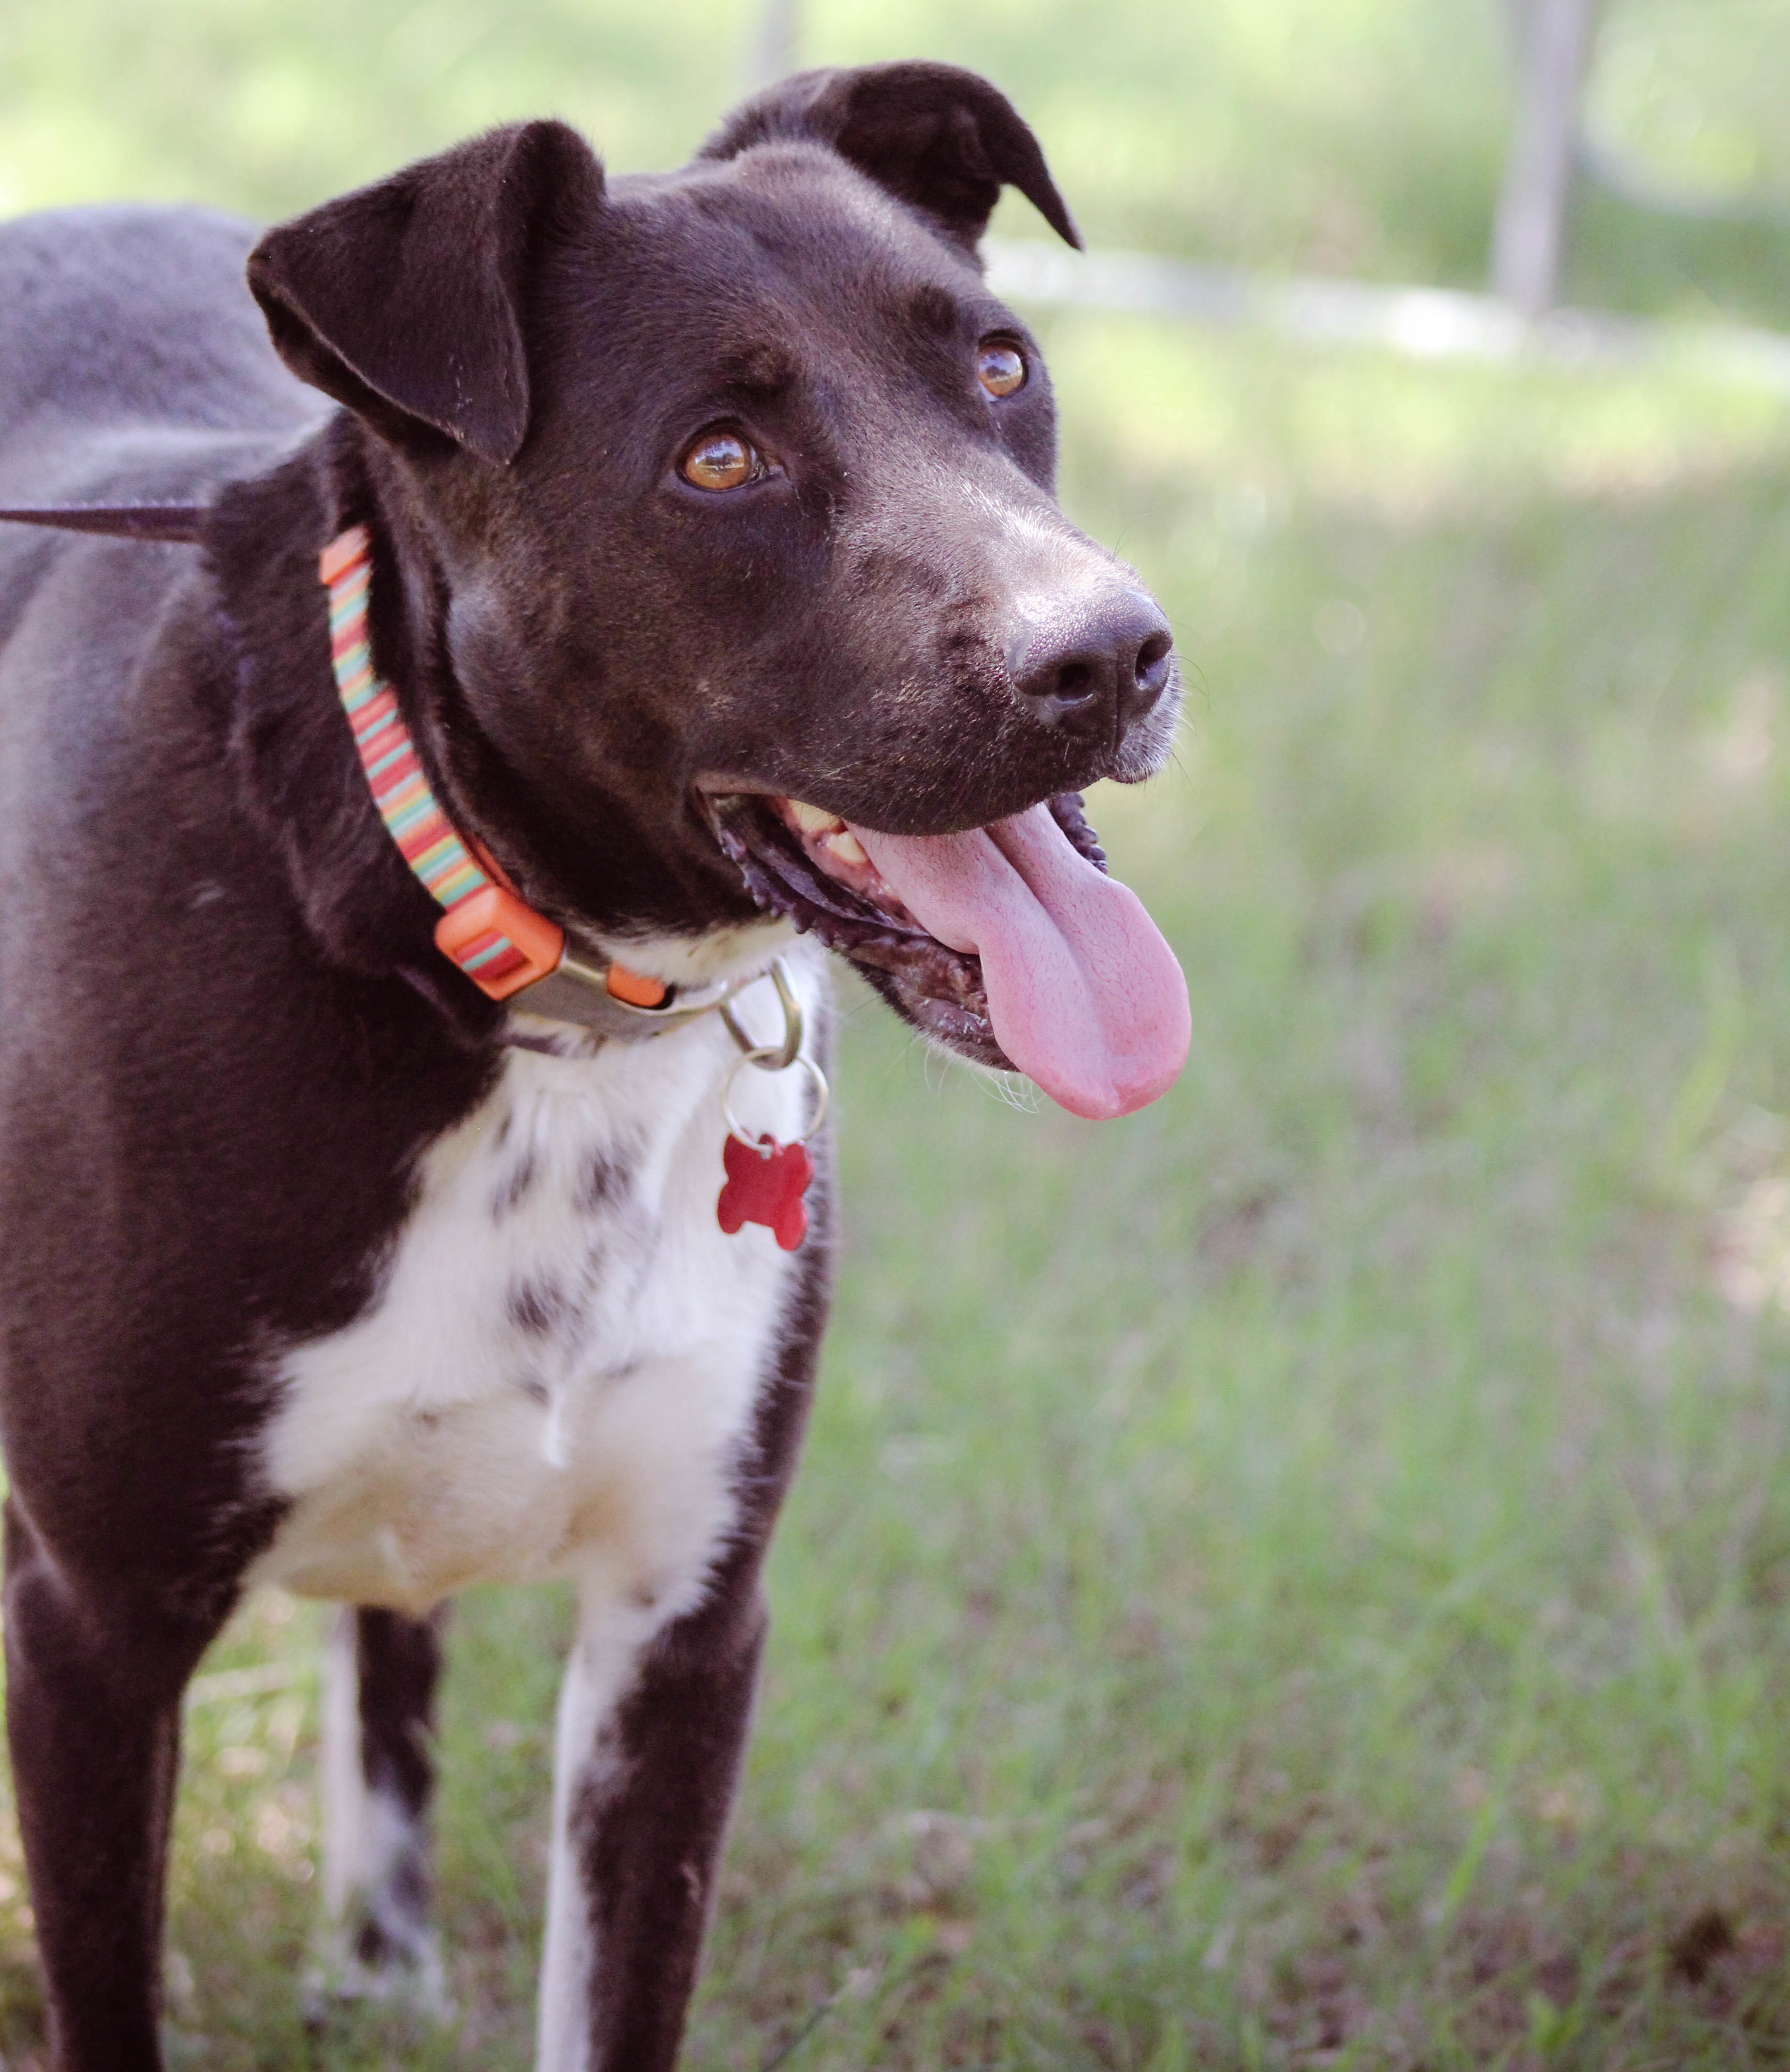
(823, 1093)
(772, 1057)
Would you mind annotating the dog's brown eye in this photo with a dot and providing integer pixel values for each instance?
(721, 460)
(1000, 369)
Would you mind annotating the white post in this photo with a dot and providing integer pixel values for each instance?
(1554, 47)
(775, 33)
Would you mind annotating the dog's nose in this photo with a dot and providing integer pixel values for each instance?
(1094, 663)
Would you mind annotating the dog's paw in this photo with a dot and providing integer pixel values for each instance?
(367, 1967)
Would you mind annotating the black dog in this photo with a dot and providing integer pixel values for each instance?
(715, 575)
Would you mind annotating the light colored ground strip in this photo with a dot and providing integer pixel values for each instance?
(224, 1686)
(1422, 323)
(343, 1787)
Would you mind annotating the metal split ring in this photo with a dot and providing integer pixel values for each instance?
(773, 1057)
(763, 1057)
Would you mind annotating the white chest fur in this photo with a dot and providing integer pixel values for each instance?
(564, 1353)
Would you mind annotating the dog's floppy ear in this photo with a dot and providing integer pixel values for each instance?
(404, 300)
(937, 137)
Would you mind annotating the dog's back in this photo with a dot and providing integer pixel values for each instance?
(132, 360)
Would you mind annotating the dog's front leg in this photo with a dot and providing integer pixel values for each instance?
(648, 1757)
(94, 1687)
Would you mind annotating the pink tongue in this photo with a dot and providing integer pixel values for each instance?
(1086, 996)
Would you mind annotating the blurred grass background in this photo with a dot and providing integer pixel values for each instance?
(1300, 1577)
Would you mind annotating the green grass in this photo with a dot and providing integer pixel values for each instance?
(1300, 1577)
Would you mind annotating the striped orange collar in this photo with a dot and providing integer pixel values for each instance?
(486, 929)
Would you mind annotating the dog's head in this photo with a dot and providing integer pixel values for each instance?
(723, 501)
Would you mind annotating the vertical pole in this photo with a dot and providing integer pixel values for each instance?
(1528, 240)
(775, 33)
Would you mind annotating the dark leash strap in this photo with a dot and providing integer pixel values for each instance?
(178, 522)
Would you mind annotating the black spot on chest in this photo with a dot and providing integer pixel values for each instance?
(513, 1189)
(604, 1181)
(537, 1307)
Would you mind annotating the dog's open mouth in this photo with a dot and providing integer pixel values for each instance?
(1008, 943)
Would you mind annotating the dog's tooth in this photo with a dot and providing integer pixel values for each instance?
(845, 848)
(813, 819)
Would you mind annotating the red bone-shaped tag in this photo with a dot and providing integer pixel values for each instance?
(766, 1182)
